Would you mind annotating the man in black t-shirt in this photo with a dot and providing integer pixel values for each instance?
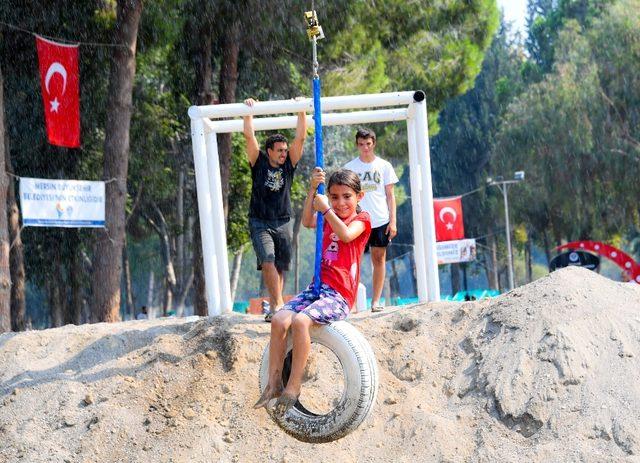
(270, 208)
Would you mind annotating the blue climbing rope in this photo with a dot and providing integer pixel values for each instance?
(317, 118)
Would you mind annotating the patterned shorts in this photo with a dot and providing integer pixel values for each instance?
(329, 307)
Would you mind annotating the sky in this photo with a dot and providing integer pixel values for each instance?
(515, 11)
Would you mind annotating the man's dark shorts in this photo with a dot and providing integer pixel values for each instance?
(378, 237)
(271, 241)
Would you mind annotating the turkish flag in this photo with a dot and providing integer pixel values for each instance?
(60, 82)
(447, 213)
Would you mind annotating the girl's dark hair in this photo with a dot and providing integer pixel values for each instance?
(347, 178)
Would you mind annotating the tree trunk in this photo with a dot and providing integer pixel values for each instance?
(16, 251)
(57, 294)
(528, 264)
(182, 298)
(5, 272)
(204, 73)
(180, 267)
(200, 293)
(150, 291)
(235, 274)
(107, 269)
(75, 271)
(16, 262)
(170, 283)
(230, 45)
(167, 297)
(492, 261)
(131, 307)
(72, 270)
(547, 250)
(188, 245)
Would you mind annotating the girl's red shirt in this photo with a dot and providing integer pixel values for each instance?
(340, 264)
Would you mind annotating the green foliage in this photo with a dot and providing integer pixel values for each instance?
(572, 134)
(546, 20)
(437, 48)
(239, 196)
(461, 152)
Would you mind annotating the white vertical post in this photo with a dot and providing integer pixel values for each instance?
(206, 216)
(416, 209)
(219, 232)
(428, 227)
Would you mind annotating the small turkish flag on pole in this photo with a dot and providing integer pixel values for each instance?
(59, 78)
(448, 217)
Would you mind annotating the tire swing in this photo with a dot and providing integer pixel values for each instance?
(359, 367)
(360, 373)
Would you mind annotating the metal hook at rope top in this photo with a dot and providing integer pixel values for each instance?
(314, 32)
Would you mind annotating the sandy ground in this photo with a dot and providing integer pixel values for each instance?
(547, 372)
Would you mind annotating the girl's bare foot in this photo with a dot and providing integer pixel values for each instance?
(269, 393)
(286, 401)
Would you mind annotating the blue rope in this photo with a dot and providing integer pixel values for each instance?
(317, 117)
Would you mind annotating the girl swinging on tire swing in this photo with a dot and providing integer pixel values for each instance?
(345, 234)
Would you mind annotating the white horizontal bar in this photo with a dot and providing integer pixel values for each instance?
(329, 103)
(289, 122)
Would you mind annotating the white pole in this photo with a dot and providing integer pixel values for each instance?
(328, 119)
(205, 212)
(330, 103)
(208, 185)
(219, 232)
(428, 228)
(416, 209)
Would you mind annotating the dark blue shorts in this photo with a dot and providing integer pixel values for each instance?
(271, 241)
(378, 238)
(328, 307)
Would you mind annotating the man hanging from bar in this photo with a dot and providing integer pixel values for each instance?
(272, 173)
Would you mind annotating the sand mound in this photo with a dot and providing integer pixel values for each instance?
(547, 372)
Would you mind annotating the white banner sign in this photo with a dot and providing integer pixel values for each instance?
(61, 203)
(452, 252)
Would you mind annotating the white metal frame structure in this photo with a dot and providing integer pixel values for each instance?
(208, 121)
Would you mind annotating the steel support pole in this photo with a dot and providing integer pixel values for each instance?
(428, 227)
(206, 213)
(416, 209)
(219, 232)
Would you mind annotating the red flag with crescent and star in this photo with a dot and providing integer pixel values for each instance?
(447, 213)
(60, 82)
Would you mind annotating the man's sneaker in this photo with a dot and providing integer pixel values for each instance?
(266, 308)
(266, 311)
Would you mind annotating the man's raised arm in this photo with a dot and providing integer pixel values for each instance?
(253, 148)
(295, 151)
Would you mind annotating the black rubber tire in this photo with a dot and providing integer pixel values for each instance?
(360, 372)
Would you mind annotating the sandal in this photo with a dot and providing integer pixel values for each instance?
(377, 308)
(268, 317)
